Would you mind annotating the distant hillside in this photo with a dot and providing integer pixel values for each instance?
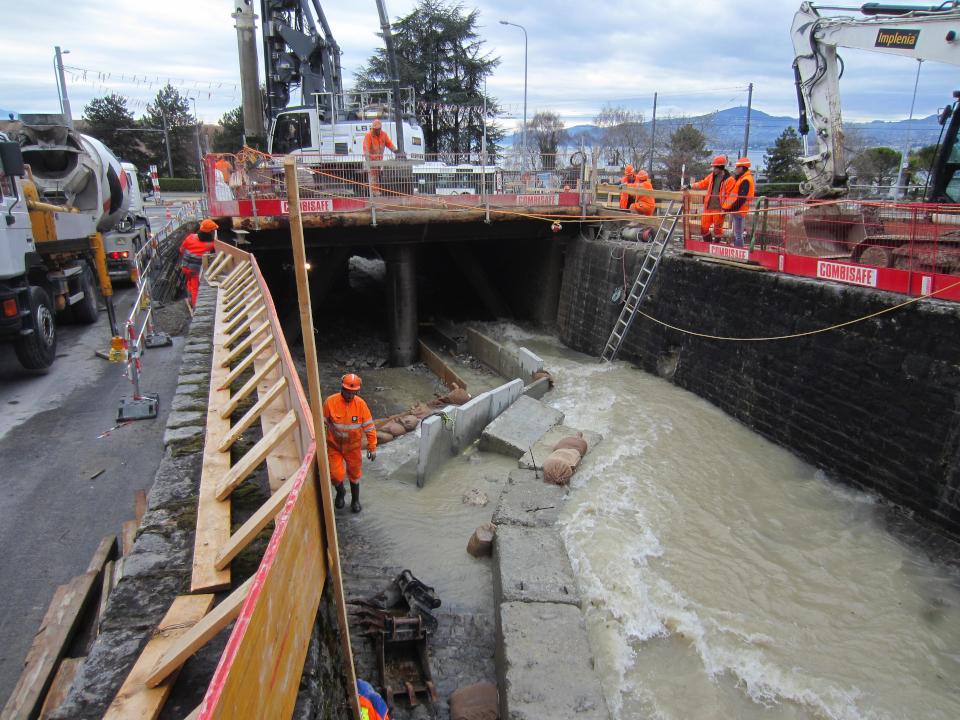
(724, 130)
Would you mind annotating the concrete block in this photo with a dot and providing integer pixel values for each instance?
(182, 436)
(436, 443)
(529, 363)
(528, 501)
(510, 365)
(531, 565)
(181, 418)
(484, 349)
(519, 427)
(503, 397)
(194, 378)
(472, 417)
(544, 445)
(183, 402)
(544, 664)
(537, 389)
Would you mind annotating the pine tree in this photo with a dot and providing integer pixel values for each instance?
(181, 128)
(687, 152)
(109, 120)
(441, 56)
(229, 136)
(784, 172)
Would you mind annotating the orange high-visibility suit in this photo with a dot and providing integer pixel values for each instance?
(712, 204)
(373, 145)
(739, 193)
(347, 423)
(629, 180)
(644, 204)
(192, 250)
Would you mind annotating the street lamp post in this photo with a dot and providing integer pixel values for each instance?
(62, 85)
(196, 118)
(523, 158)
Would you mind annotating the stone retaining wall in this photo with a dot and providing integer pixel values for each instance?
(875, 404)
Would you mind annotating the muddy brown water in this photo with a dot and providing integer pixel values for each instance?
(724, 578)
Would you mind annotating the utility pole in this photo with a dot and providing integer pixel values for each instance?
(64, 100)
(166, 142)
(897, 191)
(253, 127)
(653, 136)
(196, 118)
(746, 129)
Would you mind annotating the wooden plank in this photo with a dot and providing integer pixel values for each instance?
(242, 347)
(256, 455)
(135, 699)
(237, 371)
(439, 368)
(240, 309)
(105, 550)
(243, 327)
(229, 327)
(213, 516)
(237, 293)
(186, 644)
(106, 587)
(286, 458)
(615, 190)
(251, 416)
(60, 687)
(49, 645)
(248, 387)
(139, 505)
(257, 522)
(195, 714)
(128, 535)
(214, 269)
(238, 274)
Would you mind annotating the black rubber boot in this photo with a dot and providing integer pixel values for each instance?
(355, 497)
(341, 491)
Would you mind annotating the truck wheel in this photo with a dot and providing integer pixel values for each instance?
(85, 312)
(37, 350)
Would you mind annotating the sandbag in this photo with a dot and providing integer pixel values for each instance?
(574, 442)
(409, 422)
(456, 396)
(559, 466)
(383, 437)
(420, 410)
(475, 702)
(543, 374)
(394, 428)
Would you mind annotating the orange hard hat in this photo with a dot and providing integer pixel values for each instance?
(350, 381)
(208, 225)
(642, 175)
(628, 170)
(743, 162)
(376, 124)
(719, 161)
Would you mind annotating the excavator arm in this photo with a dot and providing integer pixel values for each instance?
(922, 33)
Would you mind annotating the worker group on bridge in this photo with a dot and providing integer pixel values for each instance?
(726, 194)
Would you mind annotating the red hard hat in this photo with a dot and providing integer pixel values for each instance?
(628, 170)
(719, 161)
(743, 162)
(208, 225)
(642, 175)
(350, 381)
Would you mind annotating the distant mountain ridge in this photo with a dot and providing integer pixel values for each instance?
(724, 130)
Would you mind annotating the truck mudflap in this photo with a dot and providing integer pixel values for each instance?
(14, 311)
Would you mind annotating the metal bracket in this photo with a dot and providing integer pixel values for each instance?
(142, 408)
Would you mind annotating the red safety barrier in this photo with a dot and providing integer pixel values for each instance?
(909, 248)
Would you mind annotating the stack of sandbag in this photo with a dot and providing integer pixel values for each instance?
(561, 463)
(397, 425)
(456, 396)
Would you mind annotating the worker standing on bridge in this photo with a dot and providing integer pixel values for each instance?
(347, 419)
(192, 250)
(738, 196)
(629, 180)
(374, 143)
(644, 204)
(713, 183)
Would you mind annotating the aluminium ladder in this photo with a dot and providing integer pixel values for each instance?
(642, 282)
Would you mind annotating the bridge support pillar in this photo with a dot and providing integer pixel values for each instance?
(402, 302)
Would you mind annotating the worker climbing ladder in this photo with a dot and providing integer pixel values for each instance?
(642, 282)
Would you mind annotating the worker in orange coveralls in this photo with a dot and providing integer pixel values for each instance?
(374, 143)
(644, 204)
(629, 180)
(740, 192)
(192, 250)
(347, 419)
(372, 706)
(714, 183)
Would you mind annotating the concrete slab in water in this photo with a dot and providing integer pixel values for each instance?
(519, 427)
(545, 666)
(528, 501)
(531, 565)
(544, 445)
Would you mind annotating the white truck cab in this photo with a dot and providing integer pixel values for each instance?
(131, 234)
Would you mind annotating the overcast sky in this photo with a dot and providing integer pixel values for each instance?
(699, 55)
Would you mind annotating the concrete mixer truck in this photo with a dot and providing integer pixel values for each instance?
(60, 191)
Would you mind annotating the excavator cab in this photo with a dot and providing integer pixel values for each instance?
(290, 132)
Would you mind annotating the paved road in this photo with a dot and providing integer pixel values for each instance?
(53, 513)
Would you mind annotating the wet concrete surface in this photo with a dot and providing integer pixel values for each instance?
(64, 486)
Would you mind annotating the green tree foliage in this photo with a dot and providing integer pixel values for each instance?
(876, 166)
(919, 163)
(106, 118)
(623, 136)
(173, 106)
(687, 149)
(784, 172)
(545, 135)
(441, 56)
(229, 136)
